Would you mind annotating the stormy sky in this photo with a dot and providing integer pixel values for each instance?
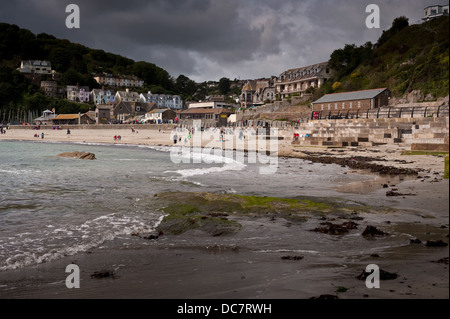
(211, 39)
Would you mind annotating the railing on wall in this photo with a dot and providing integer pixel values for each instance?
(385, 112)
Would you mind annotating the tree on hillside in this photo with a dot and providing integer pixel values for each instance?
(397, 25)
(73, 77)
(185, 86)
(224, 86)
(345, 60)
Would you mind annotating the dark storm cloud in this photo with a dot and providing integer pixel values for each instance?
(208, 39)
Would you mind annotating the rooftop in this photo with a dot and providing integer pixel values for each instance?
(350, 96)
(66, 117)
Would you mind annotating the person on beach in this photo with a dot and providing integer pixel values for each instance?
(42, 135)
(175, 139)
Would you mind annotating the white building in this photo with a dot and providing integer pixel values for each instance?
(162, 100)
(433, 12)
(209, 105)
(35, 67)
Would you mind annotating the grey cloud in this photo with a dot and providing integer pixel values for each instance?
(206, 39)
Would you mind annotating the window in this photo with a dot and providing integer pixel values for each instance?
(335, 106)
(351, 105)
(359, 104)
(329, 107)
(343, 105)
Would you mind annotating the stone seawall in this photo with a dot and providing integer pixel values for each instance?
(424, 133)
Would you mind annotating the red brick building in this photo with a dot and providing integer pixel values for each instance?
(348, 101)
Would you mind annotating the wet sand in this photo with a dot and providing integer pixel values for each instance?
(195, 265)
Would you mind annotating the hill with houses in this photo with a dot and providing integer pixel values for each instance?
(40, 71)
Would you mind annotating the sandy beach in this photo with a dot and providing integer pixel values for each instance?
(390, 154)
(196, 265)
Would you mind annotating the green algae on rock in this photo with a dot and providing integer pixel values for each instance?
(219, 214)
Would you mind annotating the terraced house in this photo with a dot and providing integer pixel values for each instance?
(298, 81)
(118, 80)
(102, 96)
(162, 100)
(78, 93)
(127, 96)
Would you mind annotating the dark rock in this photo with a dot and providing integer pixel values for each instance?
(104, 274)
(442, 261)
(371, 231)
(436, 243)
(151, 237)
(392, 193)
(292, 257)
(335, 229)
(360, 162)
(415, 241)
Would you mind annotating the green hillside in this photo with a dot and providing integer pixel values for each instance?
(75, 63)
(405, 58)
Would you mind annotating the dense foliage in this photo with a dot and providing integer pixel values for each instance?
(75, 64)
(404, 59)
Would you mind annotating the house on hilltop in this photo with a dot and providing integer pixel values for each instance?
(432, 12)
(35, 67)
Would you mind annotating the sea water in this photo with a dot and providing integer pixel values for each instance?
(53, 207)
